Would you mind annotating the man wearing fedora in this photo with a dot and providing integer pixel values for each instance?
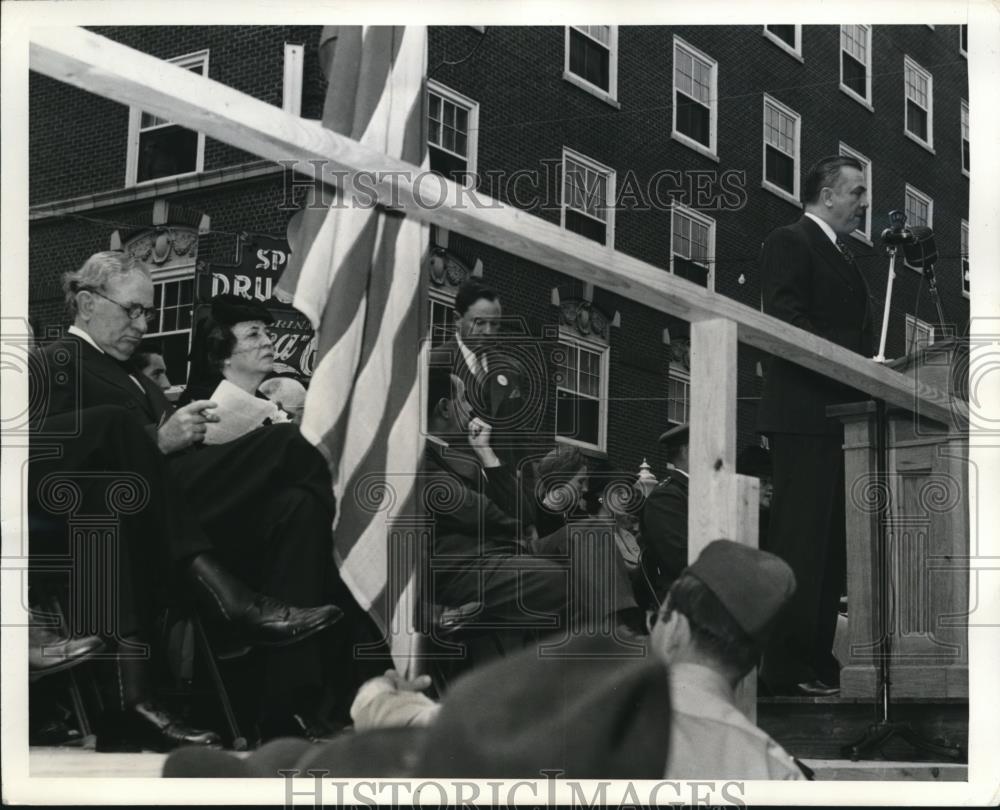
(664, 522)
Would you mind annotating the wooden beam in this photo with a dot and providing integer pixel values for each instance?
(712, 448)
(720, 502)
(112, 70)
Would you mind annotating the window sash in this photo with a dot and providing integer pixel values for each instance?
(917, 83)
(440, 323)
(779, 130)
(917, 210)
(601, 34)
(786, 33)
(174, 302)
(678, 395)
(155, 122)
(692, 75)
(854, 40)
(581, 382)
(691, 238)
(448, 125)
(585, 190)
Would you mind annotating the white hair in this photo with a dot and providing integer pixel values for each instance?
(95, 274)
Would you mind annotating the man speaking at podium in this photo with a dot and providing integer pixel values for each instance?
(810, 279)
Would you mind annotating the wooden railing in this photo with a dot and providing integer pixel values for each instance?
(722, 503)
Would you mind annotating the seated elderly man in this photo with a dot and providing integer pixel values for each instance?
(245, 525)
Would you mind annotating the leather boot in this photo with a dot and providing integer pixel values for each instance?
(251, 617)
(49, 651)
(133, 721)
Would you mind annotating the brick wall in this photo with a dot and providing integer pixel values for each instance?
(528, 113)
(78, 141)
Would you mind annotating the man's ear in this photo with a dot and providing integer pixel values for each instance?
(85, 306)
(443, 408)
(676, 630)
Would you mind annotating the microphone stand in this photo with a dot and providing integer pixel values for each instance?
(932, 287)
(892, 249)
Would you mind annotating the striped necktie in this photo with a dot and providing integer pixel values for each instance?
(845, 251)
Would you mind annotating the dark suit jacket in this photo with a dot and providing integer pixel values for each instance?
(499, 398)
(494, 394)
(473, 509)
(807, 283)
(663, 527)
(75, 375)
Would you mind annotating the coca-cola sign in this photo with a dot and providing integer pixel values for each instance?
(260, 261)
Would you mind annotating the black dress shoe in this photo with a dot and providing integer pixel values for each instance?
(147, 726)
(55, 732)
(303, 726)
(271, 623)
(817, 688)
(250, 617)
(49, 652)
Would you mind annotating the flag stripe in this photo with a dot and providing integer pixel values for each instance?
(357, 274)
(369, 453)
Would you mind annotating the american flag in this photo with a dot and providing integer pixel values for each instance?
(356, 273)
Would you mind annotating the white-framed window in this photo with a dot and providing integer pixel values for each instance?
(865, 231)
(856, 62)
(452, 132)
(786, 37)
(581, 392)
(173, 298)
(919, 211)
(966, 285)
(158, 148)
(919, 208)
(695, 97)
(966, 162)
(588, 194)
(591, 60)
(678, 394)
(291, 84)
(782, 126)
(692, 245)
(963, 40)
(441, 324)
(919, 85)
(918, 333)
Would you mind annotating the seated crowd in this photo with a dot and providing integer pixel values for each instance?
(231, 522)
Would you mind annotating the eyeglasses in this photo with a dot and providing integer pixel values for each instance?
(132, 310)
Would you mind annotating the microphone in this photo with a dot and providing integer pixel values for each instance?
(921, 252)
(897, 234)
(903, 237)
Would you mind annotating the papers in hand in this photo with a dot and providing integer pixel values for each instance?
(239, 413)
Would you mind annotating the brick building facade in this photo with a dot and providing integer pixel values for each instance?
(682, 146)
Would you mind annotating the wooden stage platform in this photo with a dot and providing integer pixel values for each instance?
(812, 728)
(80, 763)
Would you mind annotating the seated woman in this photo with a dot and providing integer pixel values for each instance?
(229, 361)
(595, 512)
(561, 481)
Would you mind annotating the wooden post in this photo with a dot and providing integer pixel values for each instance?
(721, 504)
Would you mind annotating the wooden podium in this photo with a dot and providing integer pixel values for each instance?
(927, 538)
